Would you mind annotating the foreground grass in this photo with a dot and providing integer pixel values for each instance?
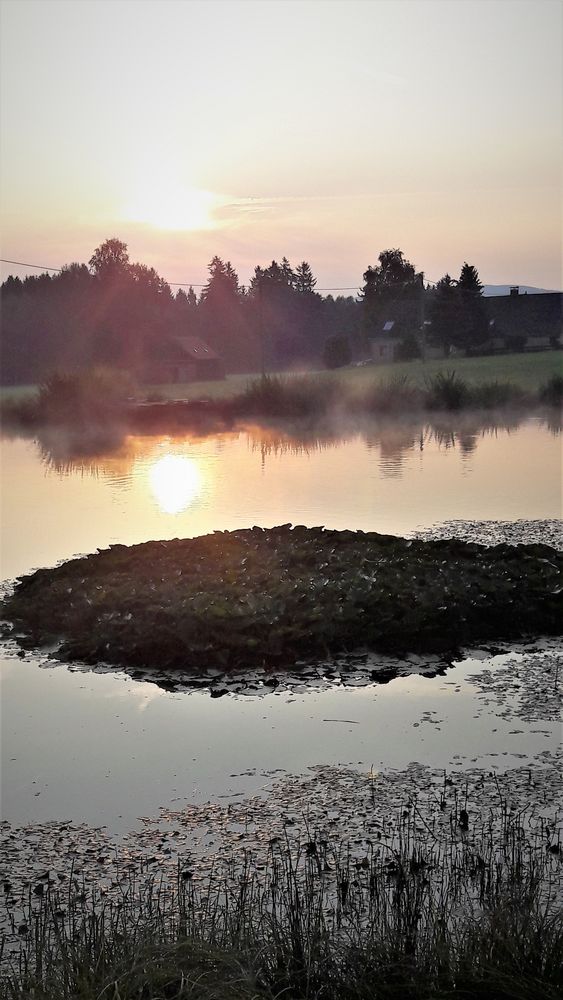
(424, 911)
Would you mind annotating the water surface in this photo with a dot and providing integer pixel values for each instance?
(102, 748)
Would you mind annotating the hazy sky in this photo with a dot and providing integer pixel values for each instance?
(324, 131)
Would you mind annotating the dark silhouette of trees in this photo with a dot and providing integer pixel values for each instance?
(109, 259)
(457, 313)
(444, 313)
(287, 313)
(393, 291)
(118, 312)
(393, 277)
(394, 280)
(469, 283)
(304, 280)
(225, 320)
(222, 288)
(474, 328)
(114, 311)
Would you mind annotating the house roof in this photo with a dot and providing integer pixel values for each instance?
(395, 319)
(195, 348)
(527, 315)
(178, 349)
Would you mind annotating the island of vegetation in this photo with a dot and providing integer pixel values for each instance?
(274, 598)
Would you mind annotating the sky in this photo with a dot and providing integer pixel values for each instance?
(322, 131)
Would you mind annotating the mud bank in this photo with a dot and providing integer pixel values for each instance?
(280, 597)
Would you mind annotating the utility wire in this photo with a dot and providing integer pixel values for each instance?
(22, 263)
(177, 284)
(189, 284)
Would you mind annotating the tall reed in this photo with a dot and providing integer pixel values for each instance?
(421, 909)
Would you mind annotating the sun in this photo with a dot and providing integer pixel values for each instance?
(175, 482)
(171, 206)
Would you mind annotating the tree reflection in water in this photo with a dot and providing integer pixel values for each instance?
(115, 454)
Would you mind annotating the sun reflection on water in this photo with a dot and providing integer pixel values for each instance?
(176, 482)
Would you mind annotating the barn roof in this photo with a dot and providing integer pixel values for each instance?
(195, 348)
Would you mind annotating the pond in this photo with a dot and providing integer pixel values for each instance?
(101, 748)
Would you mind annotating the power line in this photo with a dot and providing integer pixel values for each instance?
(22, 263)
(59, 270)
(176, 284)
(191, 284)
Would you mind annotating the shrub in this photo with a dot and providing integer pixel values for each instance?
(337, 352)
(408, 348)
(551, 392)
(296, 396)
(446, 391)
(489, 395)
(394, 395)
(85, 396)
(517, 342)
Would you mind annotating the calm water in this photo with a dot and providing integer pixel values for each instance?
(105, 749)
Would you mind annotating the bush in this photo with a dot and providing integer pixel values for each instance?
(394, 395)
(517, 342)
(408, 348)
(337, 352)
(551, 392)
(447, 391)
(492, 394)
(293, 397)
(82, 397)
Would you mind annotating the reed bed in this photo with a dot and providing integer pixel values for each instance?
(102, 399)
(312, 396)
(427, 908)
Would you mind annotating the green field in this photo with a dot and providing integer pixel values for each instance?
(527, 370)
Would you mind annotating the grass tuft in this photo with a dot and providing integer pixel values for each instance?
(551, 391)
(447, 391)
(427, 912)
(296, 396)
(398, 394)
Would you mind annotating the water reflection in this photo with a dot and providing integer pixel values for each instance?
(389, 476)
(175, 482)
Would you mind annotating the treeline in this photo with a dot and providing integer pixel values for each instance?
(119, 313)
(449, 315)
(115, 312)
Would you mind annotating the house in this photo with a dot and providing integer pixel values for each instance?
(181, 359)
(525, 322)
(516, 322)
(398, 322)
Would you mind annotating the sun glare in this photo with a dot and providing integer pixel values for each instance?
(172, 207)
(175, 482)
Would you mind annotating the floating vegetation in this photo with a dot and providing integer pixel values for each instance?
(522, 532)
(270, 598)
(527, 685)
(424, 883)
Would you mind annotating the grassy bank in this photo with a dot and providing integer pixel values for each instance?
(257, 598)
(529, 371)
(92, 404)
(433, 906)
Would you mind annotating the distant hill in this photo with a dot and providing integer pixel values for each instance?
(505, 290)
